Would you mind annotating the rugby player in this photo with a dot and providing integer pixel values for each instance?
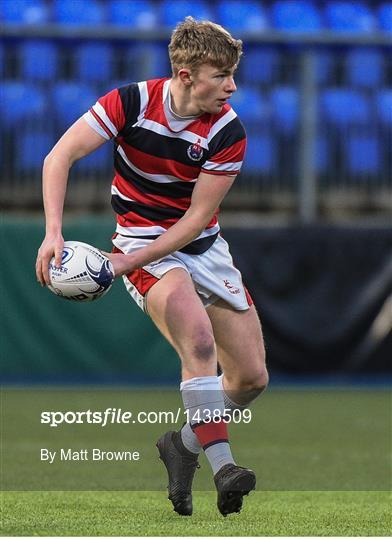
(178, 149)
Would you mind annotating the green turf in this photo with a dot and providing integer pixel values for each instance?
(322, 460)
(149, 514)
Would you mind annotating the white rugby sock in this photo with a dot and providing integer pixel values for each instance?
(203, 400)
(191, 442)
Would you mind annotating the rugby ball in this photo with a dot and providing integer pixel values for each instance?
(84, 275)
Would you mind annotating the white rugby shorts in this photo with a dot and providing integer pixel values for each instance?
(213, 273)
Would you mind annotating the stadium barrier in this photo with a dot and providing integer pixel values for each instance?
(323, 295)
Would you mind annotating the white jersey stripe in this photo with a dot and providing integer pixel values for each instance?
(154, 230)
(221, 123)
(140, 231)
(211, 166)
(143, 91)
(159, 178)
(93, 123)
(162, 130)
(100, 111)
(116, 191)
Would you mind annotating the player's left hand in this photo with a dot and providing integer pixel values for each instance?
(121, 262)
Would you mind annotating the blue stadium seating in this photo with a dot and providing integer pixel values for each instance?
(99, 160)
(24, 11)
(173, 12)
(79, 12)
(114, 83)
(260, 153)
(343, 107)
(295, 16)
(321, 154)
(289, 69)
(21, 103)
(285, 108)
(242, 15)
(270, 109)
(363, 154)
(70, 101)
(349, 16)
(259, 64)
(325, 62)
(133, 13)
(384, 107)
(38, 60)
(2, 61)
(33, 147)
(248, 103)
(94, 62)
(364, 67)
(385, 16)
(145, 61)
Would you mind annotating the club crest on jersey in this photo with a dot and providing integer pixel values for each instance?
(195, 151)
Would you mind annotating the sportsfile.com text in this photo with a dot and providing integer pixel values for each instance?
(119, 416)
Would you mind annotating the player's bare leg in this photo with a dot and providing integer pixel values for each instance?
(241, 355)
(178, 312)
(170, 303)
(241, 352)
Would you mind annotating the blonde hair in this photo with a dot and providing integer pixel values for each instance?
(194, 43)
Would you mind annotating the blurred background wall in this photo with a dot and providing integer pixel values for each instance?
(309, 219)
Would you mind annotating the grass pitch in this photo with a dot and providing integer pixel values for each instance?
(322, 460)
(149, 514)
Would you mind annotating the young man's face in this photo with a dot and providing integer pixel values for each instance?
(211, 88)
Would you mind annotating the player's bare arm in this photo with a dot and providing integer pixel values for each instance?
(209, 192)
(79, 141)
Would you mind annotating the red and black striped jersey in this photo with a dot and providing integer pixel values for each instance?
(158, 157)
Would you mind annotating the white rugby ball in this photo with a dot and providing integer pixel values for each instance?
(84, 275)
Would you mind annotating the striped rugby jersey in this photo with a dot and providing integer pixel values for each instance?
(158, 157)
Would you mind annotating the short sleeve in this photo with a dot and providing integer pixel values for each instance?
(227, 146)
(107, 116)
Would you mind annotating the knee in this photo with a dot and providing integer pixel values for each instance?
(261, 381)
(260, 376)
(251, 383)
(255, 379)
(255, 382)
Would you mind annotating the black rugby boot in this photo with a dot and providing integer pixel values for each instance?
(181, 465)
(232, 483)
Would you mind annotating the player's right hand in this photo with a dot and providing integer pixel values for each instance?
(52, 245)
